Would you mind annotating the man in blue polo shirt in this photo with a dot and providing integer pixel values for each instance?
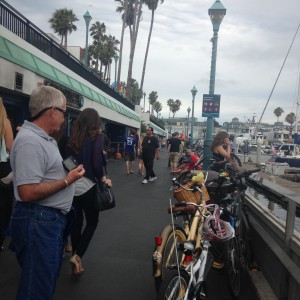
(130, 145)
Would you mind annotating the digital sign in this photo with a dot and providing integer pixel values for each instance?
(211, 106)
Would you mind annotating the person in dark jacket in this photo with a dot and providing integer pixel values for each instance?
(150, 147)
(86, 145)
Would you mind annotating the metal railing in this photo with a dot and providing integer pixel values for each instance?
(22, 27)
(281, 245)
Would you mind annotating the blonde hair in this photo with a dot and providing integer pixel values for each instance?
(44, 96)
(3, 117)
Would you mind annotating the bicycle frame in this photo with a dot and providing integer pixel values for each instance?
(192, 269)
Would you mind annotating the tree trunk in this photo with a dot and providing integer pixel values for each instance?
(146, 54)
(137, 15)
(121, 43)
(66, 41)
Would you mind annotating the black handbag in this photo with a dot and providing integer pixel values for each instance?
(105, 198)
(6, 182)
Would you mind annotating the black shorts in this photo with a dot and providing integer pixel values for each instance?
(129, 156)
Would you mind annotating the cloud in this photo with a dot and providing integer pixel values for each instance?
(254, 38)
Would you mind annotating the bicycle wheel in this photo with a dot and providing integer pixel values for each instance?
(232, 267)
(236, 159)
(174, 286)
(246, 236)
(169, 253)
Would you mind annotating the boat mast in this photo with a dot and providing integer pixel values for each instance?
(256, 128)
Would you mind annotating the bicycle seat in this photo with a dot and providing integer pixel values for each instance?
(184, 209)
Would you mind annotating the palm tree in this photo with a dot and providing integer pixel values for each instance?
(97, 33)
(122, 8)
(152, 98)
(137, 12)
(291, 119)
(131, 10)
(157, 107)
(278, 112)
(174, 107)
(152, 5)
(62, 22)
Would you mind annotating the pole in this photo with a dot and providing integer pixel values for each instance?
(87, 18)
(210, 123)
(86, 45)
(192, 122)
(216, 13)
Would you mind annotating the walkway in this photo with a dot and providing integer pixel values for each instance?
(118, 262)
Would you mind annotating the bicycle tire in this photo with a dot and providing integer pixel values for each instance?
(232, 267)
(236, 159)
(169, 255)
(246, 236)
(174, 284)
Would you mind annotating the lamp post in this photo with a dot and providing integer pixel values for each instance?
(216, 13)
(116, 57)
(87, 18)
(144, 94)
(187, 131)
(194, 92)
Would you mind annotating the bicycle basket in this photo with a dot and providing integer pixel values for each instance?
(182, 195)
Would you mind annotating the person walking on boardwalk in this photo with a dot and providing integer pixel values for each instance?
(150, 147)
(129, 146)
(86, 145)
(44, 193)
(6, 188)
(139, 153)
(174, 148)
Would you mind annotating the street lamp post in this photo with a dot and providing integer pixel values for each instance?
(188, 111)
(194, 92)
(144, 94)
(216, 13)
(116, 57)
(87, 18)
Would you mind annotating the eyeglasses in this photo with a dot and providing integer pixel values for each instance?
(60, 110)
(45, 109)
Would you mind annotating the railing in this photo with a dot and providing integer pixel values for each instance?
(19, 25)
(280, 239)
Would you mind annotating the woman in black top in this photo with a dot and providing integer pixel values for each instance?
(221, 150)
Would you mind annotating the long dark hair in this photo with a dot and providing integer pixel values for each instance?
(219, 139)
(86, 125)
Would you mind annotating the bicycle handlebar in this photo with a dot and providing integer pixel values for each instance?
(246, 173)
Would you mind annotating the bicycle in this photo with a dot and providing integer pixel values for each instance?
(238, 250)
(164, 253)
(186, 280)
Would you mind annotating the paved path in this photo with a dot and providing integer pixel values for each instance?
(118, 262)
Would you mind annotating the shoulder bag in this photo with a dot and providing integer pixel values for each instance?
(105, 198)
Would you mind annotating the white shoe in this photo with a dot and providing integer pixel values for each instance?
(145, 181)
(152, 179)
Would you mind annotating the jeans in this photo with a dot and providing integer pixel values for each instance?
(84, 206)
(37, 239)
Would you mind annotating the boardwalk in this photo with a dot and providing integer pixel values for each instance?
(118, 263)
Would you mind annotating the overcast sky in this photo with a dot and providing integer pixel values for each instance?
(254, 38)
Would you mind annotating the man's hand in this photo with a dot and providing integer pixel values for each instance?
(75, 174)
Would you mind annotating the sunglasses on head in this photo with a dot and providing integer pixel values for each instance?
(45, 109)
